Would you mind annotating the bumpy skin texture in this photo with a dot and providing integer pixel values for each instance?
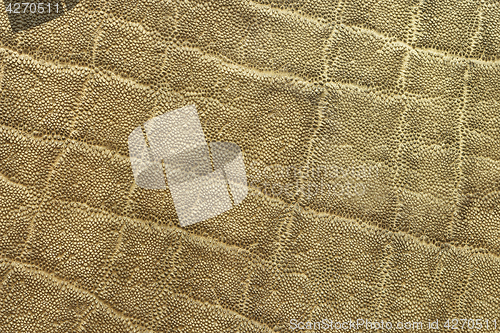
(409, 87)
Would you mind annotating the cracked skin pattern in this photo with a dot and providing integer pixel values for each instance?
(409, 87)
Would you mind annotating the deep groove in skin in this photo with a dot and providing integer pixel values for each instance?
(285, 85)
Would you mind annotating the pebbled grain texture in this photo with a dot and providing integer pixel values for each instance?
(409, 89)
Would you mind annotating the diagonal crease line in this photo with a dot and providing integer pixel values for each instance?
(240, 249)
(78, 104)
(98, 33)
(487, 136)
(309, 315)
(359, 87)
(404, 66)
(6, 277)
(397, 170)
(246, 283)
(233, 65)
(222, 60)
(428, 51)
(414, 25)
(461, 110)
(432, 195)
(249, 186)
(42, 201)
(49, 180)
(116, 154)
(51, 277)
(172, 260)
(495, 160)
(25, 134)
(112, 261)
(49, 140)
(317, 126)
(19, 55)
(103, 72)
(230, 66)
(321, 106)
(106, 73)
(477, 34)
(90, 309)
(484, 195)
(287, 12)
(160, 226)
(32, 268)
(271, 198)
(467, 249)
(355, 219)
(288, 217)
(228, 187)
(227, 310)
(96, 147)
(301, 208)
(385, 265)
(471, 269)
(129, 194)
(94, 44)
(374, 32)
(13, 183)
